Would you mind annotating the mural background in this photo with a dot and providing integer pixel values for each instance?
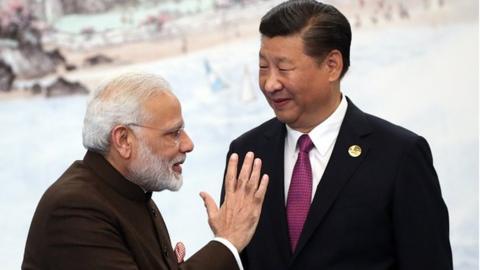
(414, 63)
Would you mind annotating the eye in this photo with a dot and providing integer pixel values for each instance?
(284, 69)
(177, 133)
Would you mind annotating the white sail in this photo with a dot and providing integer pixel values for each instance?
(248, 89)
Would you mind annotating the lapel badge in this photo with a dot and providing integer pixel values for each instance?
(355, 150)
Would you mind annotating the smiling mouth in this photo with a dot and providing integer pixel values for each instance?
(278, 103)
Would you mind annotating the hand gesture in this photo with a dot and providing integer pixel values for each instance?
(237, 219)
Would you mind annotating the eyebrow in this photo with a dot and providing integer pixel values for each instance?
(284, 60)
(176, 126)
(279, 60)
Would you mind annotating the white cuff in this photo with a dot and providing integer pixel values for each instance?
(232, 249)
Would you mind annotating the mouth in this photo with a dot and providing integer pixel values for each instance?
(177, 167)
(279, 103)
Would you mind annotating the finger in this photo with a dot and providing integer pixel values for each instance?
(255, 176)
(262, 188)
(231, 175)
(210, 204)
(246, 169)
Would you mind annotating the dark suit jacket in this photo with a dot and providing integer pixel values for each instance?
(381, 210)
(93, 218)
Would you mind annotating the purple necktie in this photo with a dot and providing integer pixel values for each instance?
(300, 191)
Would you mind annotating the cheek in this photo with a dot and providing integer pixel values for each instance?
(161, 149)
(294, 81)
(300, 95)
(170, 152)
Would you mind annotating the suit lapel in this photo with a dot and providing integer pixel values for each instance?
(275, 198)
(338, 172)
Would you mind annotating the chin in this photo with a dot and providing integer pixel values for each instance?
(176, 183)
(173, 183)
(175, 188)
(286, 119)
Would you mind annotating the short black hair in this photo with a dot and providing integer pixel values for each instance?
(322, 27)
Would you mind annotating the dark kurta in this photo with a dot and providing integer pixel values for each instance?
(94, 218)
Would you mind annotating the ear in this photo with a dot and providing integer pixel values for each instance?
(121, 141)
(334, 64)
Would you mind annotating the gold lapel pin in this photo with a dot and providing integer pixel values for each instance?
(355, 150)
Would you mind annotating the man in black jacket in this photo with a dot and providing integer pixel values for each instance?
(347, 190)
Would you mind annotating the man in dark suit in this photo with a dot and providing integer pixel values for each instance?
(100, 215)
(348, 190)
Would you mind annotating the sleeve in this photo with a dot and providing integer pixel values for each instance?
(420, 216)
(213, 256)
(232, 249)
(84, 238)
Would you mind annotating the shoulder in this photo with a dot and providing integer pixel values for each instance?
(67, 203)
(398, 141)
(390, 131)
(268, 128)
(77, 188)
(380, 129)
(395, 144)
(384, 137)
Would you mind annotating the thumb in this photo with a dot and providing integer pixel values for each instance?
(210, 204)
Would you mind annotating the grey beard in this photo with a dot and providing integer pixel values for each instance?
(153, 173)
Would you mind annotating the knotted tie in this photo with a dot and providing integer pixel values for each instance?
(300, 191)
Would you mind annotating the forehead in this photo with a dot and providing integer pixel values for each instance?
(163, 110)
(282, 48)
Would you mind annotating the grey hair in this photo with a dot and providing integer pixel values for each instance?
(118, 102)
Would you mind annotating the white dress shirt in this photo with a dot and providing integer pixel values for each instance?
(323, 137)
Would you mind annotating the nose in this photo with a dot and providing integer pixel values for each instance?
(186, 144)
(271, 82)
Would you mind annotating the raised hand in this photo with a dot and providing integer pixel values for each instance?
(237, 219)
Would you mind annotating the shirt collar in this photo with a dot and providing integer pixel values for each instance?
(324, 135)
